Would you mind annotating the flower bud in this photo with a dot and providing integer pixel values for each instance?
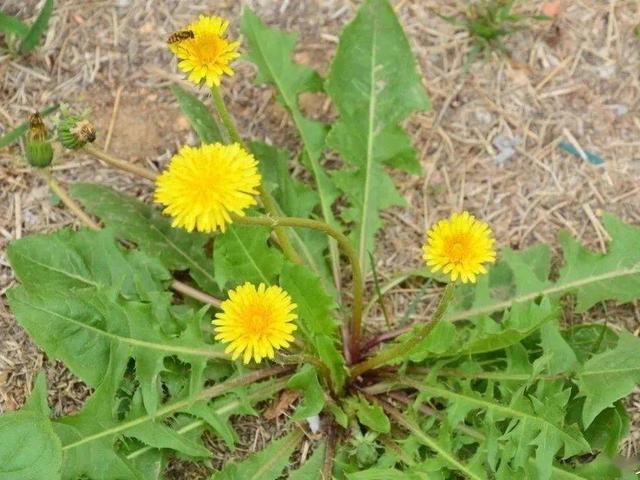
(38, 150)
(75, 132)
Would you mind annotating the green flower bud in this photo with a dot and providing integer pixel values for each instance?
(364, 448)
(38, 150)
(39, 154)
(75, 132)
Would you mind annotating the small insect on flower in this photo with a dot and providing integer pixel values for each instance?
(203, 51)
(459, 246)
(202, 187)
(256, 322)
(179, 36)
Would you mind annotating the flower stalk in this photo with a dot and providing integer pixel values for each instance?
(121, 164)
(267, 200)
(391, 353)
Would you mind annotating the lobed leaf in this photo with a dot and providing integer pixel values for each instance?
(531, 424)
(306, 380)
(137, 222)
(85, 259)
(267, 464)
(242, 254)
(374, 85)
(97, 295)
(371, 416)
(618, 369)
(312, 468)
(29, 448)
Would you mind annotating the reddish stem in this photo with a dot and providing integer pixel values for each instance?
(386, 336)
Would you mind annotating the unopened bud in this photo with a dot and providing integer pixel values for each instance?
(38, 150)
(75, 132)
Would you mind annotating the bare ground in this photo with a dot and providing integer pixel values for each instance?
(574, 79)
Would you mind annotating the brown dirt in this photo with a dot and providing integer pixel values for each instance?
(574, 80)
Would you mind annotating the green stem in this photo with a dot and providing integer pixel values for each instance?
(345, 244)
(267, 200)
(391, 353)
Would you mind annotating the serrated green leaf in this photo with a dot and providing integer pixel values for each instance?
(306, 381)
(13, 135)
(371, 416)
(85, 452)
(242, 254)
(11, 24)
(39, 27)
(267, 464)
(91, 437)
(271, 51)
(82, 329)
(592, 277)
(312, 468)
(443, 453)
(158, 435)
(29, 448)
(532, 424)
(611, 276)
(220, 409)
(85, 259)
(562, 358)
(198, 114)
(143, 225)
(374, 85)
(332, 358)
(315, 307)
(618, 369)
(587, 340)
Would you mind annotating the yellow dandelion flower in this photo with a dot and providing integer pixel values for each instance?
(203, 186)
(203, 51)
(256, 322)
(459, 246)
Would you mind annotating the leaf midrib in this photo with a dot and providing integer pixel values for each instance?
(215, 391)
(435, 446)
(65, 273)
(485, 404)
(132, 341)
(293, 439)
(557, 288)
(250, 257)
(369, 159)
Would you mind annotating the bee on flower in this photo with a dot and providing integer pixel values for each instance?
(202, 187)
(256, 322)
(459, 247)
(203, 51)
